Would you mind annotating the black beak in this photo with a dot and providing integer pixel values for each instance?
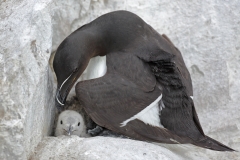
(63, 90)
(59, 101)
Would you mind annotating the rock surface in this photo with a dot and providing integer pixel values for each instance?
(206, 32)
(68, 148)
(26, 83)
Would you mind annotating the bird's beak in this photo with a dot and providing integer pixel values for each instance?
(70, 130)
(63, 90)
(59, 101)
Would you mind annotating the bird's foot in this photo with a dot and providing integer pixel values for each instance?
(109, 133)
(95, 131)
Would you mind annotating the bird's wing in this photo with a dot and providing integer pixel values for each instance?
(179, 115)
(129, 66)
(113, 98)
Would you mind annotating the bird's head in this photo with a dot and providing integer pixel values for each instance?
(69, 63)
(71, 59)
(70, 123)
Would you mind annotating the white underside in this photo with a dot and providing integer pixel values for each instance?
(96, 68)
(150, 115)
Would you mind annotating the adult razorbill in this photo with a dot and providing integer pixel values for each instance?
(145, 93)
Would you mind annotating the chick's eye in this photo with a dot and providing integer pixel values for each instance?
(78, 123)
(61, 122)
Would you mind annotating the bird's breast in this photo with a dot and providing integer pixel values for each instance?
(96, 68)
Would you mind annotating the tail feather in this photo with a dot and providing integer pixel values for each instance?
(212, 144)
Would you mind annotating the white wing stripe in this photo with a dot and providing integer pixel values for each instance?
(149, 115)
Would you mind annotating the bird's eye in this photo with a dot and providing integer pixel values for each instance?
(78, 123)
(61, 122)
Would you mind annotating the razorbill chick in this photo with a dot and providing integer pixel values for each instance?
(70, 123)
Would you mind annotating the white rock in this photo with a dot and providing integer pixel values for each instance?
(206, 32)
(26, 99)
(68, 148)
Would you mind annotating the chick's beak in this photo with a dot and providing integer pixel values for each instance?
(70, 130)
